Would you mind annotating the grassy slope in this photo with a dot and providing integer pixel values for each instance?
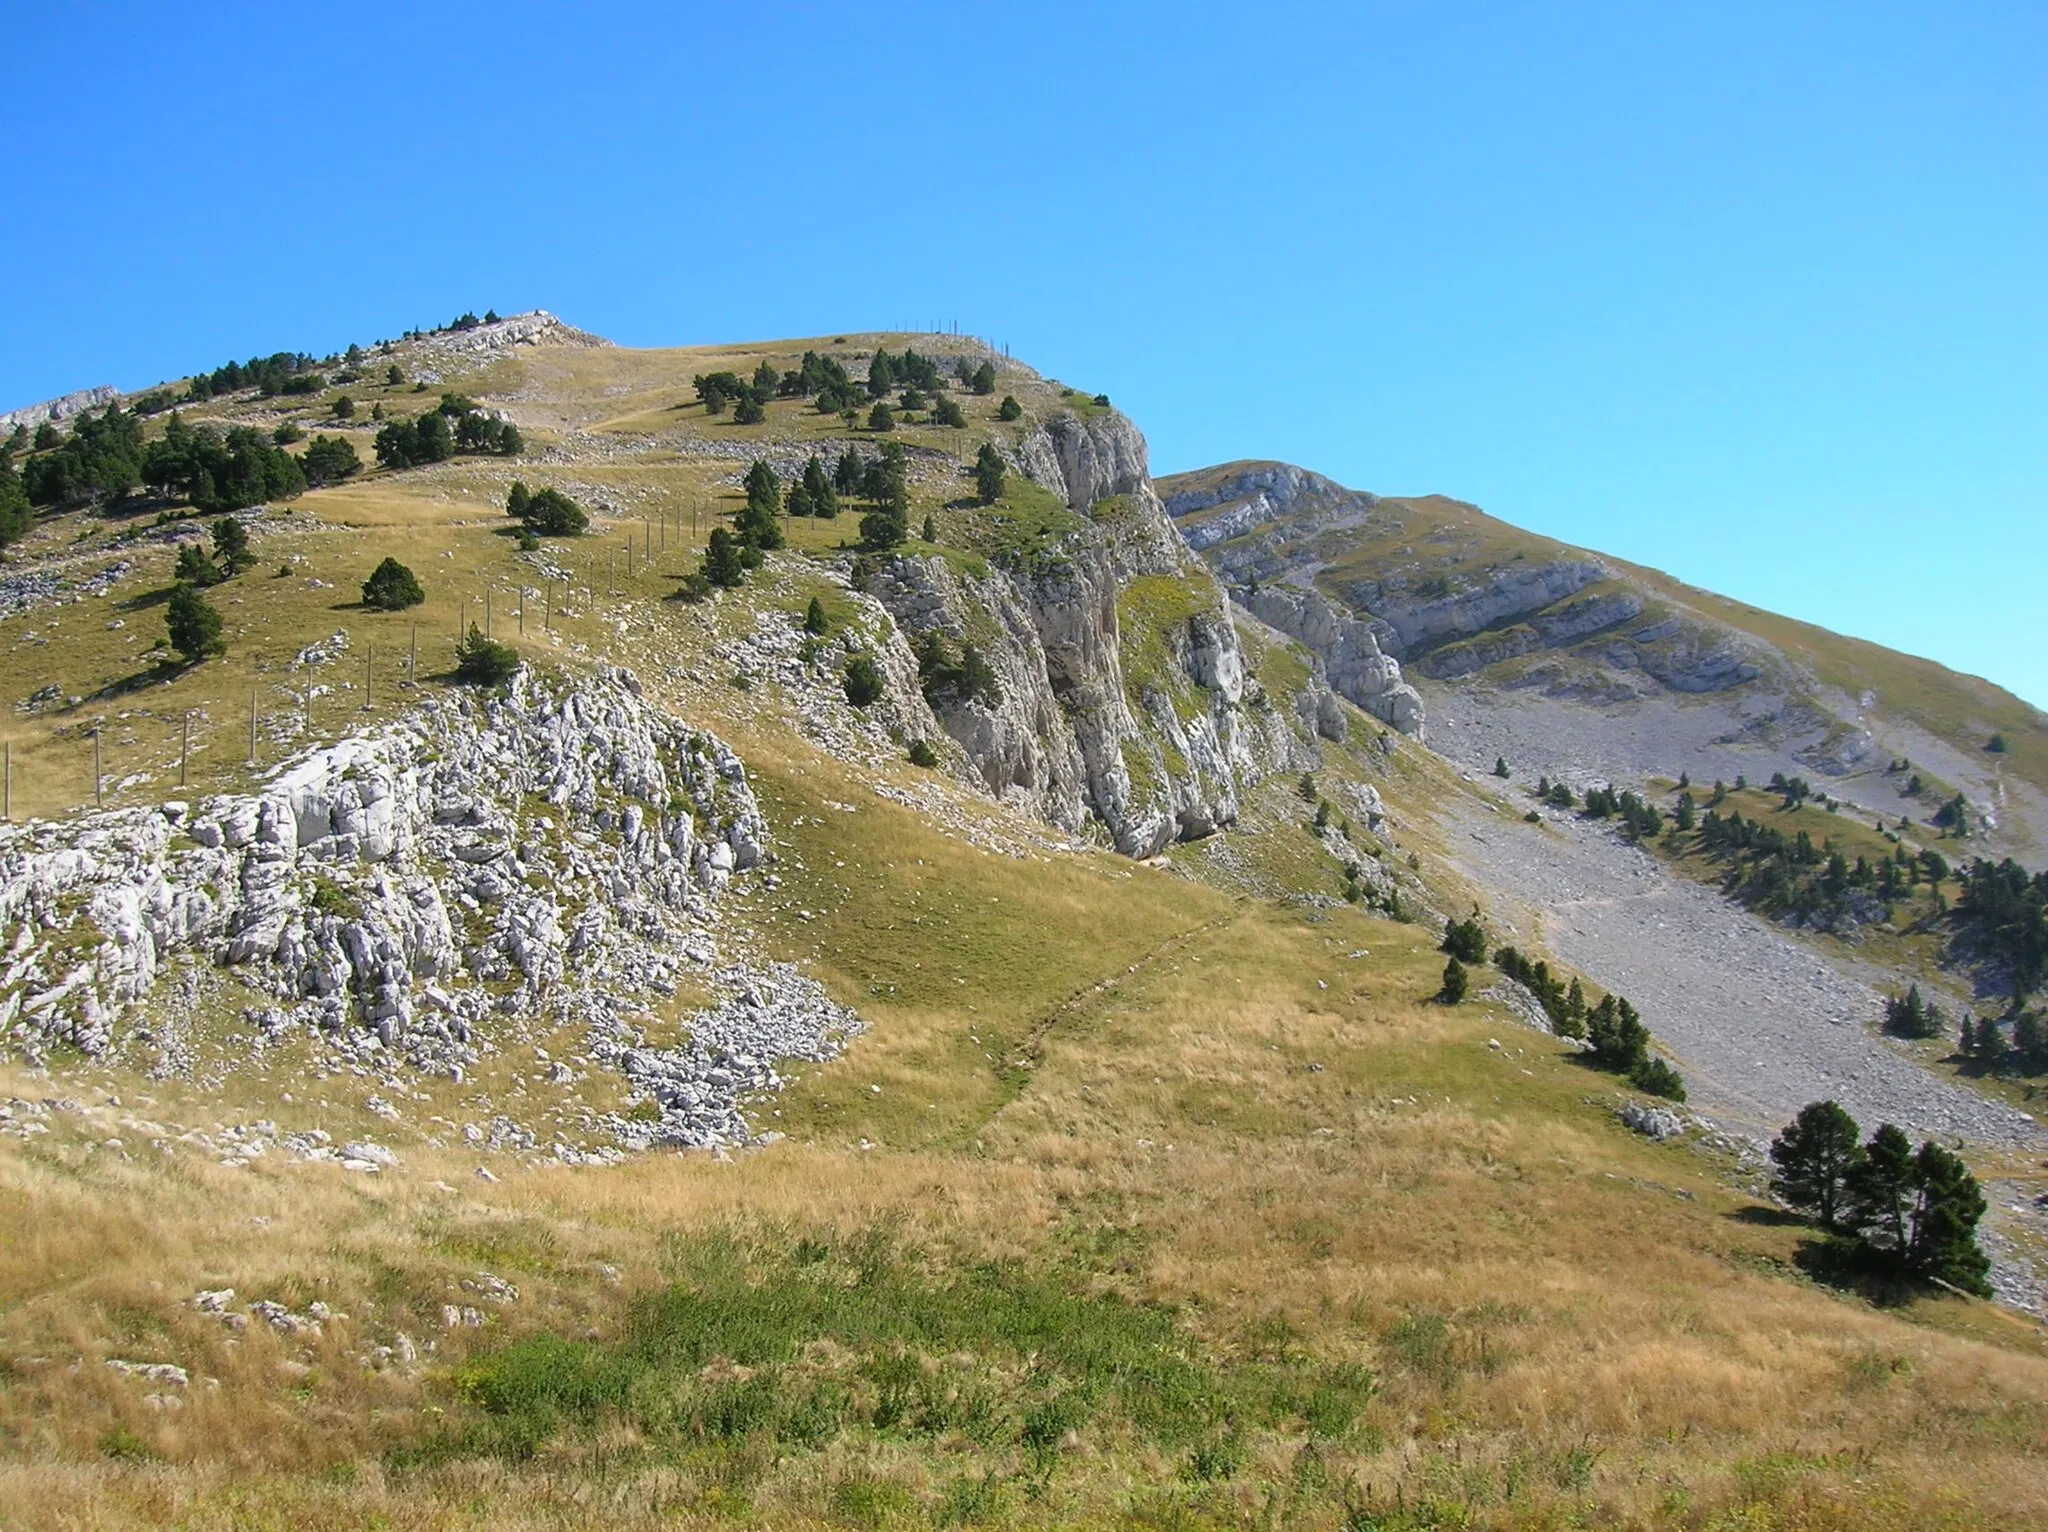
(1129, 1086)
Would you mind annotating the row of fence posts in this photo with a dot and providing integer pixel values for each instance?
(617, 560)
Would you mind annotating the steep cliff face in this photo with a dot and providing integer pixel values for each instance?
(1118, 673)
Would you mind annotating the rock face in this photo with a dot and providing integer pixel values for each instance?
(556, 850)
(1348, 649)
(64, 408)
(1119, 675)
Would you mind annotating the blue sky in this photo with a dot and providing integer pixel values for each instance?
(1757, 294)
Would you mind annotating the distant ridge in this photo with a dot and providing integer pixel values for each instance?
(61, 408)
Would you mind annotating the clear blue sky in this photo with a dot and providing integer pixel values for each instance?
(1750, 292)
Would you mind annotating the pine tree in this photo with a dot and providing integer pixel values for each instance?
(1947, 1207)
(881, 418)
(1818, 1159)
(815, 622)
(392, 588)
(483, 661)
(192, 624)
(1456, 983)
(1881, 1190)
(930, 533)
(1500, 766)
(722, 566)
(231, 546)
(984, 379)
(1009, 409)
(989, 469)
(848, 473)
(818, 489)
(863, 681)
(194, 567)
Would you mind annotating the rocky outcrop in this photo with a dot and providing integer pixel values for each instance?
(63, 408)
(555, 850)
(1348, 650)
(1423, 621)
(1119, 676)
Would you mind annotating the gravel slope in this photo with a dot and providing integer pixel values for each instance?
(1760, 1025)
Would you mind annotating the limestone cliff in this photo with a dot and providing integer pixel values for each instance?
(1119, 675)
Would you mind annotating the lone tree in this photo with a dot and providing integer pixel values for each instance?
(231, 546)
(722, 564)
(194, 567)
(193, 624)
(863, 681)
(392, 588)
(1818, 1159)
(881, 418)
(484, 661)
(988, 474)
(1500, 766)
(1465, 940)
(1456, 983)
(1009, 409)
(815, 622)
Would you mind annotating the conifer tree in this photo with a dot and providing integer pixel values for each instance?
(1456, 983)
(231, 549)
(989, 469)
(1818, 1158)
(192, 624)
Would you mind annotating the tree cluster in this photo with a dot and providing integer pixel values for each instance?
(822, 378)
(887, 374)
(1620, 1039)
(329, 460)
(100, 461)
(1910, 1015)
(1912, 1214)
(220, 471)
(457, 424)
(16, 515)
(2025, 1052)
(284, 372)
(1776, 873)
(2002, 913)
(1639, 819)
(815, 492)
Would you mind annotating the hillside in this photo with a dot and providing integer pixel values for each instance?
(1531, 641)
(940, 1030)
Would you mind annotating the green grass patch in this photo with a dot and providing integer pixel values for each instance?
(803, 1342)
